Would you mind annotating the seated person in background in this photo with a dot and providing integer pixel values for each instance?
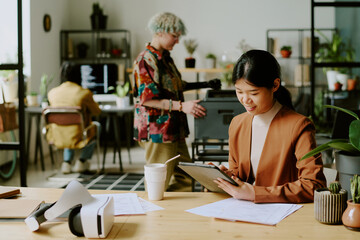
(267, 142)
(70, 93)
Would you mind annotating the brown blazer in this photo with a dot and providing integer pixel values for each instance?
(280, 177)
(72, 94)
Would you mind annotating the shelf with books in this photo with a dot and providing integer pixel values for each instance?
(296, 68)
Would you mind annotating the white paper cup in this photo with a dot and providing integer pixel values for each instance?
(155, 176)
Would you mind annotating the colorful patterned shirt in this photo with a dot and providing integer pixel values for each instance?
(156, 77)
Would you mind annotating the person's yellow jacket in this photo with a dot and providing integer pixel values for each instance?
(72, 94)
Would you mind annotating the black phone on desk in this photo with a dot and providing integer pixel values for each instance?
(206, 174)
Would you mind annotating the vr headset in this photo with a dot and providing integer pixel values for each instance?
(90, 216)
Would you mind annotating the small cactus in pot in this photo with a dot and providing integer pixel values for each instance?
(330, 203)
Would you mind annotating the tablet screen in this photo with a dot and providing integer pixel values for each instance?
(206, 174)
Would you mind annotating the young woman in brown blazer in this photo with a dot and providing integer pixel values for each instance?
(267, 142)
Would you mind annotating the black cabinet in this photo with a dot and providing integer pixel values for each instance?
(95, 46)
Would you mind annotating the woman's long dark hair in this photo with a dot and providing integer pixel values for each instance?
(261, 69)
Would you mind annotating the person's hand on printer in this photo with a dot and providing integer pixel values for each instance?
(215, 84)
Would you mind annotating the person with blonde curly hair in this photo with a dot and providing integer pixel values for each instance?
(160, 122)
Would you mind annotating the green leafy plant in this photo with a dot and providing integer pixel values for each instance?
(44, 84)
(121, 91)
(334, 50)
(97, 10)
(351, 146)
(355, 188)
(334, 187)
(211, 56)
(286, 48)
(33, 93)
(190, 45)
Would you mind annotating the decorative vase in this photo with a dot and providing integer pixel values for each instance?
(346, 165)
(190, 62)
(122, 102)
(210, 63)
(342, 78)
(351, 216)
(329, 207)
(98, 21)
(32, 100)
(331, 79)
(351, 84)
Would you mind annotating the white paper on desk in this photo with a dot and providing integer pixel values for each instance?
(239, 210)
(126, 204)
(149, 206)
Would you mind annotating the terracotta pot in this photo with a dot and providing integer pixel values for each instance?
(351, 84)
(351, 216)
(337, 86)
(285, 53)
(329, 207)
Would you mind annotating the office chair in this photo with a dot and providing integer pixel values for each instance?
(69, 117)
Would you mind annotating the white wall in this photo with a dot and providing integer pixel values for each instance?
(218, 26)
(45, 46)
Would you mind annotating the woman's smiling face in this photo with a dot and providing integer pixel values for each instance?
(256, 100)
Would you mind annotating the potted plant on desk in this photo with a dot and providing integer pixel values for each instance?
(44, 85)
(351, 216)
(330, 203)
(347, 159)
(122, 100)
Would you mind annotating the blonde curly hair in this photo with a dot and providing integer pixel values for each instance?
(166, 22)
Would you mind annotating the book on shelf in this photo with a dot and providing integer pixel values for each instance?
(302, 75)
(306, 47)
(273, 46)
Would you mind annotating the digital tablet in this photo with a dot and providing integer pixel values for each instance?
(206, 174)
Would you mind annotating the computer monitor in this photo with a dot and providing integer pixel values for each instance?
(96, 77)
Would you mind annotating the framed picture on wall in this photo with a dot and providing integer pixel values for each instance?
(47, 23)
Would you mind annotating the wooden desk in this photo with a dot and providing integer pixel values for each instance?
(174, 223)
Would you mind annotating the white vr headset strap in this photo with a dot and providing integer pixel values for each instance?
(73, 195)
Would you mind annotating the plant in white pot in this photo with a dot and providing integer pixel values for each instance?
(347, 158)
(351, 216)
(44, 85)
(121, 91)
(210, 60)
(334, 50)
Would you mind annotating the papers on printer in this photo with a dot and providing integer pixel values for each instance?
(240, 210)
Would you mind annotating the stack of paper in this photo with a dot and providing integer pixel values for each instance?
(131, 204)
(239, 210)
